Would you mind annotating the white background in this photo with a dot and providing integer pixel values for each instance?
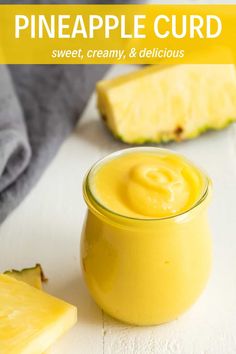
(46, 229)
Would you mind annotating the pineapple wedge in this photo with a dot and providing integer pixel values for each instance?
(30, 320)
(33, 276)
(159, 104)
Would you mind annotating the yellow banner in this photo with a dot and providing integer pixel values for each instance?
(109, 34)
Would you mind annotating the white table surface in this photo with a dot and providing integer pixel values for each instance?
(46, 229)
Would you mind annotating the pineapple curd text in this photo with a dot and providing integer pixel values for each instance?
(147, 185)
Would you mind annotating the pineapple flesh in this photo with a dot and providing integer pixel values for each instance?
(33, 276)
(30, 320)
(159, 104)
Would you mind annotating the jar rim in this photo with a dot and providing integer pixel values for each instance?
(91, 199)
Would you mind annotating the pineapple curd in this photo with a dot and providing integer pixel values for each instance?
(147, 184)
(146, 247)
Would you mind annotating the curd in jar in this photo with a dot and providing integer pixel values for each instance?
(146, 247)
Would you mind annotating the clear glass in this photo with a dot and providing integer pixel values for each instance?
(145, 271)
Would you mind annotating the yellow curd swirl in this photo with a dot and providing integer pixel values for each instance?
(147, 184)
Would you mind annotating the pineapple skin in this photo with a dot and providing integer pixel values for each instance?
(166, 139)
(145, 107)
(33, 276)
(31, 320)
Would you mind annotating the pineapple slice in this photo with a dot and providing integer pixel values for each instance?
(159, 104)
(33, 276)
(30, 320)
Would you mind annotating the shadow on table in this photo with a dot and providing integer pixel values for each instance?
(74, 292)
(97, 134)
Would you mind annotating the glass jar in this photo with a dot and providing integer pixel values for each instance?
(145, 271)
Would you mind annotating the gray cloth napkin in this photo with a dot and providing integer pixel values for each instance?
(39, 106)
(15, 150)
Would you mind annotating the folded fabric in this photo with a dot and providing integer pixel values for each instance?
(35, 118)
(15, 151)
